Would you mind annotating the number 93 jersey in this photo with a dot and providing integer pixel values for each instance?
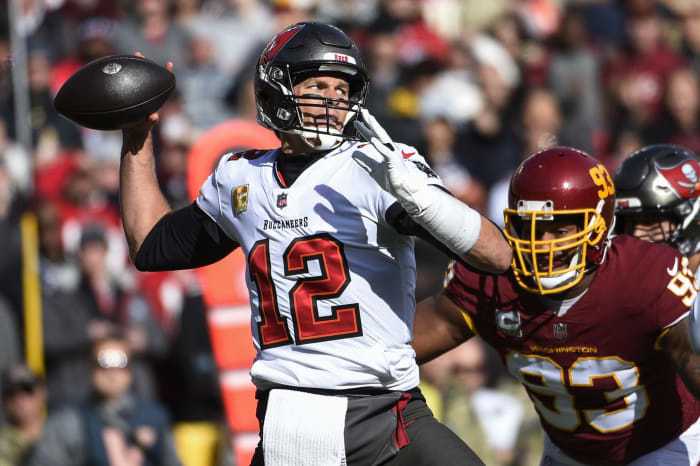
(602, 386)
(331, 283)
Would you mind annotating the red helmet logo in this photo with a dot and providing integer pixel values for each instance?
(277, 43)
(684, 179)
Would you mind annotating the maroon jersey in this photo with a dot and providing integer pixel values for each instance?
(603, 388)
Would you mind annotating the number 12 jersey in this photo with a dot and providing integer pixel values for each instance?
(331, 283)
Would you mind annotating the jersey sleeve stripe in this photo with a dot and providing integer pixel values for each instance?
(469, 321)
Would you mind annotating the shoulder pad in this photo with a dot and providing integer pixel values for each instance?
(248, 154)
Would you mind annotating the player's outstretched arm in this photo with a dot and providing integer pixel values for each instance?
(141, 201)
(438, 327)
(676, 345)
(459, 227)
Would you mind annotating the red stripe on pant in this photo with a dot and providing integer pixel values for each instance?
(400, 436)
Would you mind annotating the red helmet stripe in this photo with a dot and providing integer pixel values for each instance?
(276, 44)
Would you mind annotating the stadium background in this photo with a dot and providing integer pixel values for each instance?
(475, 86)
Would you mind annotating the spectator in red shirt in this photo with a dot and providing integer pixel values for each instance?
(637, 77)
(680, 121)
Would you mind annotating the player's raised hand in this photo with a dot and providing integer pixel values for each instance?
(389, 169)
(135, 135)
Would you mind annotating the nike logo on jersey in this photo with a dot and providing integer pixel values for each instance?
(407, 154)
(673, 270)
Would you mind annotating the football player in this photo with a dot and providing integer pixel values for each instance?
(325, 222)
(595, 327)
(658, 199)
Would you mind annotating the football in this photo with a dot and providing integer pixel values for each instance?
(114, 92)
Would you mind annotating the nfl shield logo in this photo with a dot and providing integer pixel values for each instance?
(282, 200)
(559, 331)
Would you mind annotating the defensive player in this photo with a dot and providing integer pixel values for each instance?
(331, 271)
(594, 327)
(658, 199)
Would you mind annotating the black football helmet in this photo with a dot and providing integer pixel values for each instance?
(300, 51)
(662, 180)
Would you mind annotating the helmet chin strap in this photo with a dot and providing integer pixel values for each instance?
(552, 282)
(322, 141)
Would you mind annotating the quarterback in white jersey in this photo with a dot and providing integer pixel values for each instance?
(326, 224)
(323, 259)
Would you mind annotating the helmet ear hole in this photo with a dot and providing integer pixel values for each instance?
(285, 115)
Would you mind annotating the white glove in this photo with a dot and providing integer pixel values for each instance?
(448, 219)
(391, 174)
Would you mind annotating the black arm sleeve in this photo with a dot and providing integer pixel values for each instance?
(184, 239)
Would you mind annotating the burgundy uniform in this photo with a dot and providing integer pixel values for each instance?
(603, 388)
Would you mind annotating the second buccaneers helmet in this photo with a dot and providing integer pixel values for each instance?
(300, 51)
(558, 184)
(661, 182)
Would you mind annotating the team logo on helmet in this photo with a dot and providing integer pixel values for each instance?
(684, 179)
(277, 43)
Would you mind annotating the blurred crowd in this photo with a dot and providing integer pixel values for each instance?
(475, 86)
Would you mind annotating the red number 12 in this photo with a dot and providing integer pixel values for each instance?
(309, 326)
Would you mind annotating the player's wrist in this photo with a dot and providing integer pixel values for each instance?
(415, 199)
(452, 222)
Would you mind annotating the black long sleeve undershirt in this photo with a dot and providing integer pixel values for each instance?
(189, 238)
(184, 239)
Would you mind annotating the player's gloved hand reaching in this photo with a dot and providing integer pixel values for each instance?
(449, 220)
(390, 173)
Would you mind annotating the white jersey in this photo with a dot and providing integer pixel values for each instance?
(331, 283)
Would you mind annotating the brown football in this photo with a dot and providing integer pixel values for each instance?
(114, 92)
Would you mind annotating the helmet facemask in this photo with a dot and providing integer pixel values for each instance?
(289, 118)
(553, 265)
(324, 136)
(661, 183)
(655, 227)
(682, 231)
(686, 236)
